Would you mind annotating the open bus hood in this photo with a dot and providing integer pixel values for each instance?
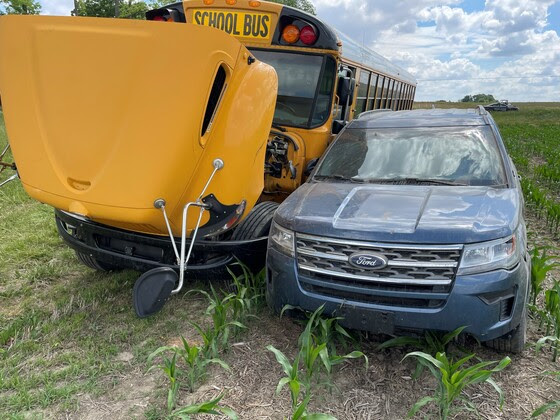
(105, 115)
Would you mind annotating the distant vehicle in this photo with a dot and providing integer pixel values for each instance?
(411, 221)
(502, 105)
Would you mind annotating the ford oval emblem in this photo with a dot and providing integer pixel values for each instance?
(368, 260)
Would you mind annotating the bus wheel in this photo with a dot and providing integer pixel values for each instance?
(257, 223)
(91, 262)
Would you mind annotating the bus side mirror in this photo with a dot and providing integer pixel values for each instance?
(345, 90)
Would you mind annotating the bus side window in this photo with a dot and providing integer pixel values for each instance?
(362, 92)
(372, 89)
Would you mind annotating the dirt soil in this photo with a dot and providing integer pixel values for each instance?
(385, 391)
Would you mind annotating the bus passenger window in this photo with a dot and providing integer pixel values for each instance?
(362, 92)
(372, 90)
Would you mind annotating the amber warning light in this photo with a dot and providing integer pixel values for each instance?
(292, 34)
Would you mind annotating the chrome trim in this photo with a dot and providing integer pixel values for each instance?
(423, 264)
(392, 263)
(335, 257)
(379, 244)
(376, 279)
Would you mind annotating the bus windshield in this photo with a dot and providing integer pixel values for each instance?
(299, 75)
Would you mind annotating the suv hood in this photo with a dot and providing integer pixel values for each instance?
(402, 213)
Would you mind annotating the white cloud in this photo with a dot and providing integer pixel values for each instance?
(57, 7)
(492, 50)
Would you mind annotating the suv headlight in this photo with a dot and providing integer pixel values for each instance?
(493, 255)
(282, 239)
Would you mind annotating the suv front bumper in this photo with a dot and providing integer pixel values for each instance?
(489, 304)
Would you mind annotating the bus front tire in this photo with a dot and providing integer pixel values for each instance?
(257, 223)
(91, 262)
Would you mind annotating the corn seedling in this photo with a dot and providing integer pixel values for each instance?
(248, 292)
(169, 367)
(296, 387)
(452, 379)
(209, 343)
(219, 309)
(314, 348)
(301, 412)
(207, 407)
(432, 342)
(194, 360)
(540, 265)
(552, 405)
(551, 315)
(554, 342)
(292, 375)
(254, 283)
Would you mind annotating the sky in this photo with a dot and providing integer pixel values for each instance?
(507, 48)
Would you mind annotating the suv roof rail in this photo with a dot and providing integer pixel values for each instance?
(480, 110)
(373, 112)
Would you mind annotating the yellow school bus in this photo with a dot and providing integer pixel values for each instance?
(173, 140)
(314, 63)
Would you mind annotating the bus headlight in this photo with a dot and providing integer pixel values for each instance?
(282, 239)
(493, 255)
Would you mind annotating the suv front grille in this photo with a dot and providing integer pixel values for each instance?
(415, 275)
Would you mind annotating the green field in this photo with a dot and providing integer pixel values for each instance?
(71, 345)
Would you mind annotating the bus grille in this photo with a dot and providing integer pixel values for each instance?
(415, 275)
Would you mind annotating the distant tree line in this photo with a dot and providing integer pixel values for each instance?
(480, 97)
(129, 9)
(136, 9)
(20, 7)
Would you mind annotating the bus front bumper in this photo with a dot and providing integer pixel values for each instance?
(126, 249)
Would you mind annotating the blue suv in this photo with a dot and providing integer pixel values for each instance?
(412, 220)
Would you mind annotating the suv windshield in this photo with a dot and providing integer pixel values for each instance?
(442, 155)
(305, 84)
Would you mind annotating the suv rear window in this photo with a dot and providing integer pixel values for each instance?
(465, 155)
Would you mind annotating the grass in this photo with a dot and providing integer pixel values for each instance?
(65, 328)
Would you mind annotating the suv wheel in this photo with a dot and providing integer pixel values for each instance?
(514, 341)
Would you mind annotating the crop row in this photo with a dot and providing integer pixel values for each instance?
(310, 370)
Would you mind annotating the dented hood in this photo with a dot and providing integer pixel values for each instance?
(402, 213)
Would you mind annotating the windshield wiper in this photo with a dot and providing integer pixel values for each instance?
(432, 181)
(408, 181)
(340, 178)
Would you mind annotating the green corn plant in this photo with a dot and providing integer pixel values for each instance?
(248, 292)
(552, 307)
(254, 283)
(296, 387)
(432, 342)
(219, 309)
(313, 348)
(209, 343)
(452, 379)
(207, 407)
(554, 342)
(169, 367)
(552, 405)
(540, 265)
(292, 378)
(301, 412)
(194, 360)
